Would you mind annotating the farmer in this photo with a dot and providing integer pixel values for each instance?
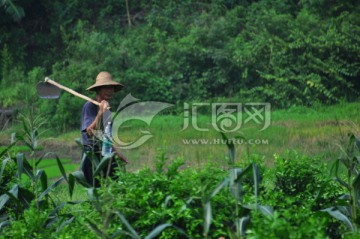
(92, 118)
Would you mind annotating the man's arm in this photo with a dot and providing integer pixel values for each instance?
(95, 124)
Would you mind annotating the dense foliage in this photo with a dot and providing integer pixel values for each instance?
(282, 52)
(242, 200)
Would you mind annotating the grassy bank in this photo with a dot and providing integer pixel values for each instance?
(317, 131)
(297, 193)
(312, 131)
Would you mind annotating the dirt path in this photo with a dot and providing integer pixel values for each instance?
(62, 149)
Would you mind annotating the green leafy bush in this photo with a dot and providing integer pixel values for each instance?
(7, 171)
(302, 180)
(288, 223)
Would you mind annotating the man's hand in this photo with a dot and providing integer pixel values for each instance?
(104, 105)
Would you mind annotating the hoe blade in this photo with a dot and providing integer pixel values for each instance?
(47, 91)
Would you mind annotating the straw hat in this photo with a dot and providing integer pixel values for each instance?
(104, 78)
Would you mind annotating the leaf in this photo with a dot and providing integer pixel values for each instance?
(103, 164)
(235, 185)
(64, 223)
(356, 186)
(95, 229)
(61, 167)
(18, 195)
(41, 158)
(237, 174)
(52, 186)
(231, 147)
(40, 174)
(19, 164)
(25, 196)
(339, 216)
(4, 223)
(60, 206)
(2, 153)
(256, 178)
(71, 184)
(28, 169)
(207, 218)
(184, 206)
(181, 231)
(3, 200)
(220, 186)
(15, 11)
(128, 226)
(93, 194)
(80, 178)
(24, 166)
(335, 168)
(167, 200)
(120, 232)
(14, 191)
(157, 230)
(344, 184)
(351, 143)
(5, 161)
(346, 210)
(25, 127)
(241, 226)
(241, 173)
(265, 210)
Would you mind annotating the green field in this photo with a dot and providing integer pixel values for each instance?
(311, 131)
(291, 178)
(52, 170)
(319, 131)
(239, 119)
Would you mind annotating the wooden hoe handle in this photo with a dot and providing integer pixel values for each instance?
(47, 79)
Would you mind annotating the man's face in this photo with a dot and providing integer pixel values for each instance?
(106, 92)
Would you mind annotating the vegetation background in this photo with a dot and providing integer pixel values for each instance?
(292, 52)
(301, 56)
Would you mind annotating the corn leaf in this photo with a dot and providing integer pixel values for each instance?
(340, 216)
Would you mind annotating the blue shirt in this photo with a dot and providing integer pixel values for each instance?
(88, 115)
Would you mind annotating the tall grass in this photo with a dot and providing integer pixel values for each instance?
(312, 131)
(118, 207)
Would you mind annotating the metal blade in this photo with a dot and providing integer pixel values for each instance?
(47, 91)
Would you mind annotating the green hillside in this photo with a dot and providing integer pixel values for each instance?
(283, 52)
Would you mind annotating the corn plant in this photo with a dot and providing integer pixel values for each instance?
(234, 182)
(31, 125)
(20, 196)
(349, 208)
(101, 200)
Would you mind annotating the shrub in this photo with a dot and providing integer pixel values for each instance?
(298, 175)
(8, 174)
(288, 224)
